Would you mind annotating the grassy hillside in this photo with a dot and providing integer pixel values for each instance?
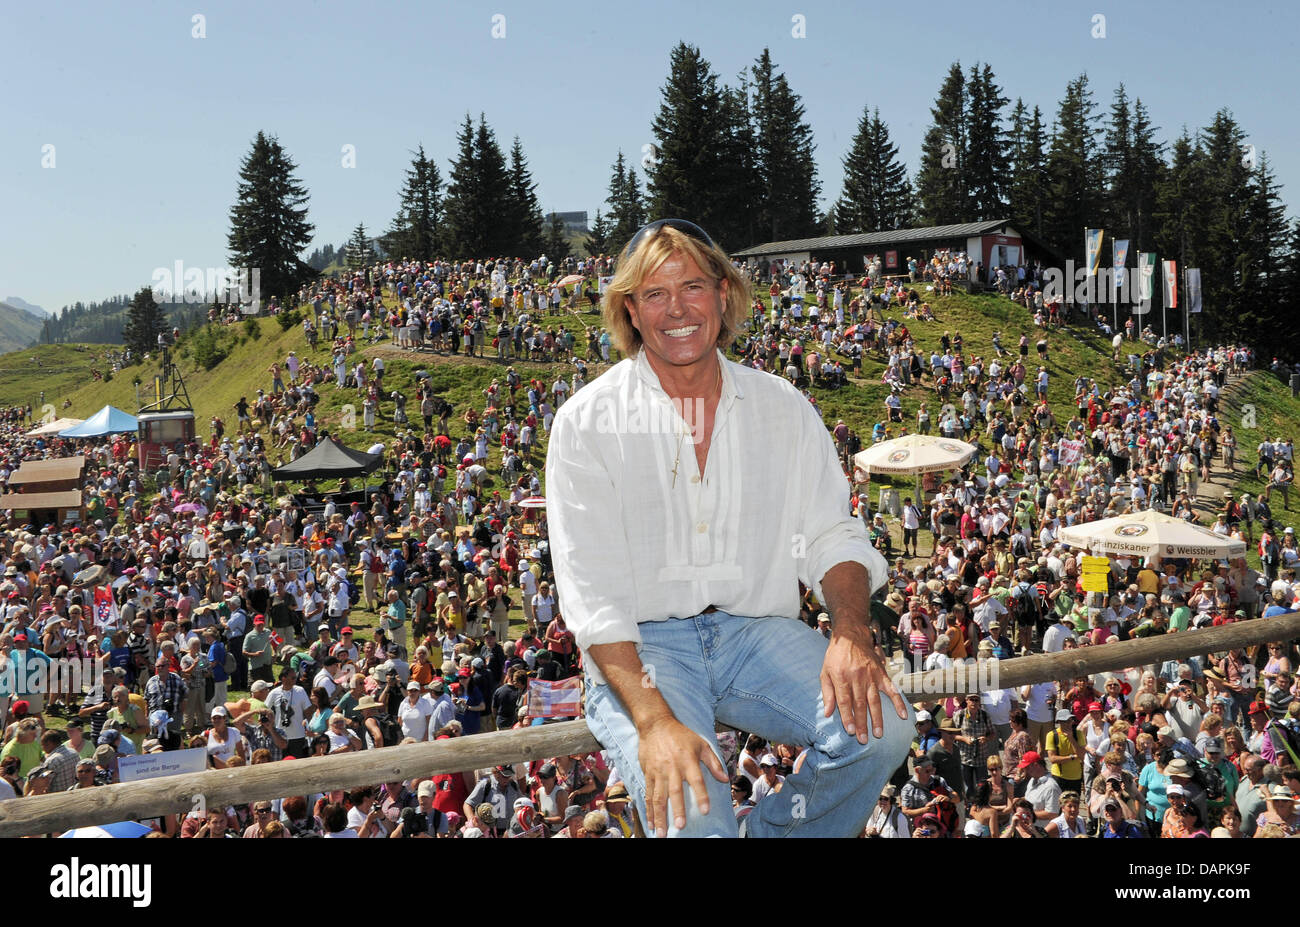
(58, 369)
(462, 380)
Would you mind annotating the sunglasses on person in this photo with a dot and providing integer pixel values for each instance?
(681, 225)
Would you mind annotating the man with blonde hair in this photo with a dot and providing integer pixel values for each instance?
(688, 498)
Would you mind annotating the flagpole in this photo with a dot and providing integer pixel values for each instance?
(1187, 313)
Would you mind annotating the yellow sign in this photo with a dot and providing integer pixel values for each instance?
(1094, 565)
(1093, 582)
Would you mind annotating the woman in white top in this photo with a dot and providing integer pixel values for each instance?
(414, 712)
(1067, 823)
(342, 740)
(223, 741)
(886, 819)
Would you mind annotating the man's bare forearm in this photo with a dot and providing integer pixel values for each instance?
(621, 666)
(846, 587)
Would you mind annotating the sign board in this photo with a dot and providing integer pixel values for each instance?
(291, 558)
(1094, 564)
(156, 765)
(1093, 582)
(891, 260)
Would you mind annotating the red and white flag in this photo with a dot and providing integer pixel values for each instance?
(561, 699)
(105, 608)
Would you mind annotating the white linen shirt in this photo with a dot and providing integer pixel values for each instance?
(771, 509)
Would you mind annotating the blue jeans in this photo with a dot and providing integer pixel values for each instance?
(760, 675)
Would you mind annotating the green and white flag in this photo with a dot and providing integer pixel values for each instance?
(1146, 268)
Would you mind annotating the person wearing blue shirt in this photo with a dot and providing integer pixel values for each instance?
(31, 672)
(217, 663)
(1117, 827)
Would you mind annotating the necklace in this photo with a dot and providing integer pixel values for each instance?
(687, 430)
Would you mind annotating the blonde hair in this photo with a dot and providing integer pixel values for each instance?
(657, 247)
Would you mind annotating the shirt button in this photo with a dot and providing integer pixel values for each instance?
(702, 527)
(695, 479)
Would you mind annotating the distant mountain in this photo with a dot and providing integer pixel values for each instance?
(19, 303)
(18, 328)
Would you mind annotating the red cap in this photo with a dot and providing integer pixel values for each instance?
(1029, 759)
(345, 631)
(1256, 708)
(1094, 706)
(259, 619)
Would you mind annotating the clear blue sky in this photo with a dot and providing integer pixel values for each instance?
(149, 124)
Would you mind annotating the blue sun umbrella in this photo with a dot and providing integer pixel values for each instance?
(118, 830)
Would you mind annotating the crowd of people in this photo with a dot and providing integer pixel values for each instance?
(426, 610)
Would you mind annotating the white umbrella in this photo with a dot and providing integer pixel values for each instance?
(54, 427)
(533, 502)
(914, 454)
(1151, 534)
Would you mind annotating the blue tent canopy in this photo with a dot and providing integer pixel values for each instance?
(109, 420)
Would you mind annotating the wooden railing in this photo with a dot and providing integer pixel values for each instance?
(44, 814)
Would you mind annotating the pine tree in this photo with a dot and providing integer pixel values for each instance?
(1181, 223)
(1074, 171)
(1149, 165)
(987, 165)
(1119, 166)
(1027, 191)
(494, 195)
(144, 323)
(687, 176)
(1265, 256)
(556, 244)
(941, 181)
(740, 199)
(415, 229)
(524, 213)
(1288, 291)
(359, 253)
(598, 237)
(786, 172)
(877, 195)
(461, 232)
(268, 223)
(626, 206)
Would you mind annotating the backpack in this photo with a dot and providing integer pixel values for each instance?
(229, 664)
(1211, 780)
(945, 810)
(1026, 609)
(391, 728)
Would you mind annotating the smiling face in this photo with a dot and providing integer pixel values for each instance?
(678, 312)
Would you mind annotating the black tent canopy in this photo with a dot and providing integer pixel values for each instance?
(328, 460)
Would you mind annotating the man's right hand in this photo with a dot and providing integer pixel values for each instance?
(670, 754)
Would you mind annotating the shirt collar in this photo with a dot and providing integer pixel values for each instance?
(731, 388)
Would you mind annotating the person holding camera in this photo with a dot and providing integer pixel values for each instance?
(261, 734)
(424, 821)
(165, 691)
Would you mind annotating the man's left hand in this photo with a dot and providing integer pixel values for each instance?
(853, 676)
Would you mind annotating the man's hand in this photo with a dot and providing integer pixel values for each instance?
(853, 676)
(671, 753)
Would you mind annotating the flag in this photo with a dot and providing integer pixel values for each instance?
(1192, 283)
(561, 699)
(1146, 267)
(1092, 248)
(1071, 452)
(105, 608)
(1119, 255)
(1171, 284)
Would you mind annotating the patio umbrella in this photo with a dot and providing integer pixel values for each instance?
(914, 454)
(571, 278)
(533, 502)
(1151, 534)
(119, 830)
(186, 507)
